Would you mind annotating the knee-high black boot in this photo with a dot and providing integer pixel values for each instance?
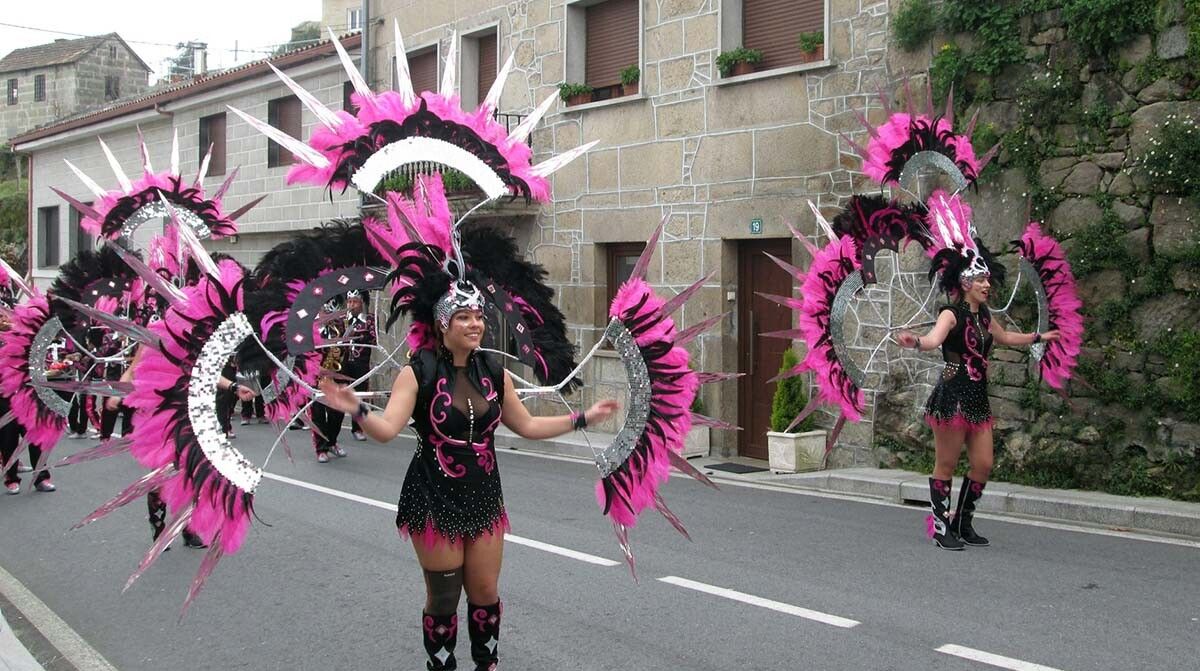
(158, 514)
(964, 513)
(484, 629)
(441, 635)
(937, 525)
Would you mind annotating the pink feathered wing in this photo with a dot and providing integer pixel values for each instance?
(1062, 298)
(903, 135)
(165, 434)
(633, 487)
(388, 106)
(43, 427)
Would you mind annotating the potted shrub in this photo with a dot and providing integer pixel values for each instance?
(803, 448)
(575, 94)
(812, 46)
(697, 444)
(740, 61)
(455, 181)
(630, 77)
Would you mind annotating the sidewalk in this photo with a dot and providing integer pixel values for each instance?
(1122, 513)
(13, 655)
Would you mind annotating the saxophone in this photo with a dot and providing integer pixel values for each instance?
(332, 361)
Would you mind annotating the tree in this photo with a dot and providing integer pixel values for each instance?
(303, 35)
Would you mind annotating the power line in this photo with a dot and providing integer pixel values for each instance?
(263, 50)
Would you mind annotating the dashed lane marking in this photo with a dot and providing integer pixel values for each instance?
(993, 659)
(733, 595)
(512, 538)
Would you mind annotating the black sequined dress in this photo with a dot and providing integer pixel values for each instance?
(960, 399)
(452, 488)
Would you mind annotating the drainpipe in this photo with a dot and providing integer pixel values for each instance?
(365, 58)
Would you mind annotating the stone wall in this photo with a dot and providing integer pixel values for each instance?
(28, 113)
(100, 63)
(1077, 129)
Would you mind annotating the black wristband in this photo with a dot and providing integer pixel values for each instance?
(1037, 338)
(233, 387)
(362, 411)
(579, 421)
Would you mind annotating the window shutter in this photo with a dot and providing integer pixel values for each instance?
(774, 27)
(216, 137)
(284, 114)
(487, 65)
(423, 68)
(612, 41)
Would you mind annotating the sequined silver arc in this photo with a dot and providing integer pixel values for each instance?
(618, 451)
(923, 160)
(202, 404)
(1037, 350)
(837, 330)
(37, 367)
(157, 210)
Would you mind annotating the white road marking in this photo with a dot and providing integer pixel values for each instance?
(391, 507)
(994, 660)
(816, 616)
(58, 633)
(1077, 527)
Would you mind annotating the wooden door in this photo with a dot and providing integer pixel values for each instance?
(759, 357)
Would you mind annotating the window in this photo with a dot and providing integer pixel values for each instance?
(80, 239)
(487, 65)
(47, 233)
(347, 102)
(39, 88)
(477, 67)
(611, 42)
(423, 69)
(212, 134)
(284, 114)
(112, 87)
(354, 19)
(12, 92)
(773, 27)
(112, 51)
(622, 257)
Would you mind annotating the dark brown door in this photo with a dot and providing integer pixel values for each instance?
(759, 357)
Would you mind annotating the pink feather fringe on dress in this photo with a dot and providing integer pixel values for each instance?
(43, 427)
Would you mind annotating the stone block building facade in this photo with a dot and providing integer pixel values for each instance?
(191, 110)
(55, 80)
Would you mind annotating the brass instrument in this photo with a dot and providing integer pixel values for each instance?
(332, 361)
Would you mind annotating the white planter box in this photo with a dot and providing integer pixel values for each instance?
(697, 442)
(796, 452)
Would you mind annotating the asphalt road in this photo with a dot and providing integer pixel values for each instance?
(771, 580)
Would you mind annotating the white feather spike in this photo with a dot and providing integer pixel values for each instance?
(122, 179)
(552, 165)
(450, 76)
(299, 149)
(203, 171)
(87, 181)
(403, 77)
(149, 169)
(492, 101)
(356, 78)
(823, 222)
(16, 279)
(319, 110)
(943, 231)
(188, 239)
(175, 153)
(521, 132)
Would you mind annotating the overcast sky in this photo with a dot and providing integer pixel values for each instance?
(153, 28)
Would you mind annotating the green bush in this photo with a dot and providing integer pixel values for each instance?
(727, 59)
(631, 75)
(914, 23)
(790, 398)
(810, 42)
(1172, 164)
(566, 91)
(948, 69)
(1102, 25)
